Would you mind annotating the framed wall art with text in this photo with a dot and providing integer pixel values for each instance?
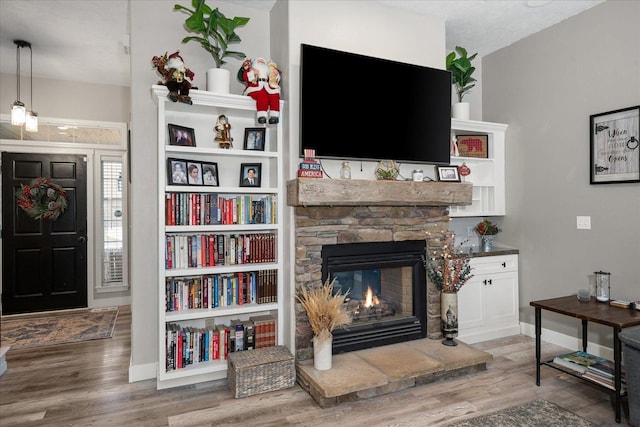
(615, 151)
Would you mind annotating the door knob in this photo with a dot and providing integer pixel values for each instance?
(82, 239)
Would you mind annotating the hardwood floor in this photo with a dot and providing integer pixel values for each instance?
(86, 384)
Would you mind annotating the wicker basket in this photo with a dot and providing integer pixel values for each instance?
(260, 370)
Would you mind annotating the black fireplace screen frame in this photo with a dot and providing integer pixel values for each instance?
(375, 255)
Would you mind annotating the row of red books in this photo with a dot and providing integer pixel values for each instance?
(221, 290)
(208, 250)
(191, 345)
(211, 209)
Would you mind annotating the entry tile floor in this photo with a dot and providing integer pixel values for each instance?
(380, 370)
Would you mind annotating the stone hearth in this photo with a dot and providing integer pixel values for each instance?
(331, 211)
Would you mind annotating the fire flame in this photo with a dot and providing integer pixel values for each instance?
(370, 299)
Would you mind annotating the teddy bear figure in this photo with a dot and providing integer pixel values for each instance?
(175, 76)
(262, 83)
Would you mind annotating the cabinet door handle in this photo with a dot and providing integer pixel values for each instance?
(487, 282)
(504, 264)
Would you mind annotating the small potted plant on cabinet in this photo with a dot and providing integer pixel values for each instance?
(461, 77)
(215, 33)
(487, 231)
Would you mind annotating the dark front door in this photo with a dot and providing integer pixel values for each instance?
(44, 262)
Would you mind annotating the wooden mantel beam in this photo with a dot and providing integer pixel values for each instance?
(360, 192)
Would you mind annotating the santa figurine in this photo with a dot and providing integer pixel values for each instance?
(175, 76)
(262, 81)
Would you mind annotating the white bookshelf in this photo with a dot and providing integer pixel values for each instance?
(202, 117)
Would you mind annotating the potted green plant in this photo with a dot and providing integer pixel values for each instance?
(461, 77)
(215, 33)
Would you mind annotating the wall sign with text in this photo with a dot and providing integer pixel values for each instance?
(615, 151)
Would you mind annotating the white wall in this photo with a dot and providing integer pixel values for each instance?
(546, 87)
(156, 29)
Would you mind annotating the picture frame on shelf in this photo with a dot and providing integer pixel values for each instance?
(250, 175)
(614, 140)
(448, 173)
(177, 172)
(194, 173)
(254, 139)
(210, 174)
(473, 146)
(181, 135)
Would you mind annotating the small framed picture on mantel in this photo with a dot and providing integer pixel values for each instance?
(448, 173)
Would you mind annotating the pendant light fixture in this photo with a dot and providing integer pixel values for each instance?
(17, 108)
(31, 119)
(19, 115)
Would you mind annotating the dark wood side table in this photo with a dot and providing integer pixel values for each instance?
(592, 311)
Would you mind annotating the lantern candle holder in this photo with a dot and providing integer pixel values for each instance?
(603, 286)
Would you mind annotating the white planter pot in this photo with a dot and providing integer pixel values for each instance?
(461, 111)
(322, 354)
(218, 80)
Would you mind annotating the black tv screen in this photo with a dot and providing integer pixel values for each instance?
(358, 107)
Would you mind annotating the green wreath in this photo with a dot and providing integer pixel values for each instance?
(42, 199)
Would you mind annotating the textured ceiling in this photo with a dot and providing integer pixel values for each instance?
(86, 40)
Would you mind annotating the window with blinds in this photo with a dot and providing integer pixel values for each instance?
(112, 223)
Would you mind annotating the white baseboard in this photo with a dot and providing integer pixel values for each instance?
(566, 341)
(142, 372)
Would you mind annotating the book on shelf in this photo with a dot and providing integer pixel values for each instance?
(609, 383)
(578, 360)
(604, 369)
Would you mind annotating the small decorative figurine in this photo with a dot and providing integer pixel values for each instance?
(223, 132)
(262, 81)
(175, 76)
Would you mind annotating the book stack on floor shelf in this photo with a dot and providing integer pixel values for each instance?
(594, 368)
(310, 167)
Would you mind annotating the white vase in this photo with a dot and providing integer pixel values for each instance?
(322, 353)
(461, 110)
(218, 80)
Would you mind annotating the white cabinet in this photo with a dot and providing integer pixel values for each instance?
(487, 174)
(488, 302)
(215, 270)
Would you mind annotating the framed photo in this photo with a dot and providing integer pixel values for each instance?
(448, 173)
(254, 139)
(250, 174)
(180, 135)
(177, 172)
(473, 146)
(615, 155)
(210, 174)
(194, 173)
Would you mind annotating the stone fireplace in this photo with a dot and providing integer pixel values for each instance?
(330, 213)
(387, 297)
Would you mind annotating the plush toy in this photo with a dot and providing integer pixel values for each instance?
(262, 81)
(175, 76)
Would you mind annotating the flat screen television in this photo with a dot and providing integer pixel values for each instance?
(357, 107)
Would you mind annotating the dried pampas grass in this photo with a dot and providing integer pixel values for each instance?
(325, 310)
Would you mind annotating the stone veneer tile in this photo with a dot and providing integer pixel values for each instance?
(348, 374)
(400, 361)
(453, 357)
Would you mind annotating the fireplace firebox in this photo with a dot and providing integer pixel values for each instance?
(387, 292)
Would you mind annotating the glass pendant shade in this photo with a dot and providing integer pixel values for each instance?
(31, 122)
(18, 113)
